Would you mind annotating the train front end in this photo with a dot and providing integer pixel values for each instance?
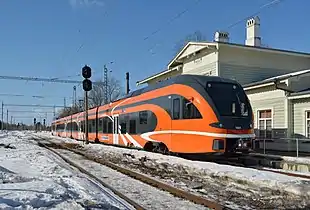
(235, 117)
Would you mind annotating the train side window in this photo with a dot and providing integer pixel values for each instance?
(82, 126)
(123, 127)
(90, 126)
(110, 128)
(132, 127)
(105, 125)
(190, 111)
(176, 108)
(100, 124)
(143, 117)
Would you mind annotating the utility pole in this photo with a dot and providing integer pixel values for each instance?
(11, 122)
(87, 86)
(105, 79)
(127, 83)
(74, 96)
(7, 119)
(64, 101)
(2, 125)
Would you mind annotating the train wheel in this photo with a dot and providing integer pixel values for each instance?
(161, 148)
(156, 147)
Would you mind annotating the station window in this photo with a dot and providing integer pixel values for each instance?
(265, 123)
(308, 124)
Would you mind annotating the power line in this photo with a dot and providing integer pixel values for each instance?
(35, 105)
(261, 8)
(24, 111)
(37, 79)
(33, 96)
(173, 19)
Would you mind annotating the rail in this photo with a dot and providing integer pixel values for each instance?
(150, 181)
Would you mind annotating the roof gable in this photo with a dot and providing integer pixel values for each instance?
(190, 48)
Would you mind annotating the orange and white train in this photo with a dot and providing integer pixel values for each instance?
(187, 114)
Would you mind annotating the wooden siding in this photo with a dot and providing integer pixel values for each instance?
(267, 98)
(246, 74)
(204, 64)
(248, 66)
(299, 123)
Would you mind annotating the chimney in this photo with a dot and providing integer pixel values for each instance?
(220, 36)
(252, 32)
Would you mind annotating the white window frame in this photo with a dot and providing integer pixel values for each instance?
(307, 121)
(264, 119)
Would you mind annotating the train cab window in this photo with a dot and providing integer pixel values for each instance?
(176, 108)
(132, 127)
(190, 111)
(143, 117)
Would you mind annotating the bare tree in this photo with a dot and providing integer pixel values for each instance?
(196, 36)
(96, 95)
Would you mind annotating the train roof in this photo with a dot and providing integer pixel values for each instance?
(180, 79)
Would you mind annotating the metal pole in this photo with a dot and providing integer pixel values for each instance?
(7, 119)
(2, 125)
(86, 116)
(105, 84)
(297, 150)
(74, 96)
(127, 83)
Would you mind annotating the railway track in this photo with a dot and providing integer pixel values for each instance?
(128, 200)
(52, 146)
(245, 161)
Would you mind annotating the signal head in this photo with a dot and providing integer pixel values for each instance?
(86, 72)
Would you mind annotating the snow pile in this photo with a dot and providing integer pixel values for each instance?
(32, 177)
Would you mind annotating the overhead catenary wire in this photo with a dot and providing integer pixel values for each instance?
(261, 8)
(178, 15)
(33, 96)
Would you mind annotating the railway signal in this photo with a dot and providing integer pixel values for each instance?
(87, 86)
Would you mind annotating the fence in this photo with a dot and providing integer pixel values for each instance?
(297, 147)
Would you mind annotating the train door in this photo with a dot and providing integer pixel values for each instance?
(115, 129)
(175, 121)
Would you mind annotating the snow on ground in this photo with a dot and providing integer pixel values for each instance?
(146, 195)
(33, 177)
(227, 183)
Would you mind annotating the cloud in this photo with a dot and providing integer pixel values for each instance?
(86, 3)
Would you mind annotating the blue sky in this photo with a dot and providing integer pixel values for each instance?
(41, 39)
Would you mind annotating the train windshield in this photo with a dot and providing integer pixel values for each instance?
(229, 99)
